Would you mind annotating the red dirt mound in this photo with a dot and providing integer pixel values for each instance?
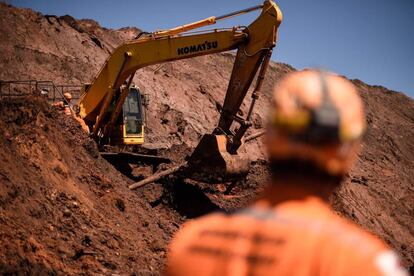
(63, 208)
(379, 193)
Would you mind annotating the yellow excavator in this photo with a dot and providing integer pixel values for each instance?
(112, 108)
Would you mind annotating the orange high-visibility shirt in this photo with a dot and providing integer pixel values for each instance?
(301, 237)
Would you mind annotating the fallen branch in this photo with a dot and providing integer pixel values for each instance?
(254, 136)
(156, 176)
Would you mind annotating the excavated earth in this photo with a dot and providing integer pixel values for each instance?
(66, 210)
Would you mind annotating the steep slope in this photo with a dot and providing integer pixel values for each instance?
(379, 193)
(183, 105)
(60, 49)
(63, 208)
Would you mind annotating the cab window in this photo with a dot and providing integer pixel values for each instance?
(133, 112)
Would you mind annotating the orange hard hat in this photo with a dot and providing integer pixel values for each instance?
(316, 117)
(67, 96)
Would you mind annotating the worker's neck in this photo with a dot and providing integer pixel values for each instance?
(297, 188)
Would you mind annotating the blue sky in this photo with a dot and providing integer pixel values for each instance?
(372, 40)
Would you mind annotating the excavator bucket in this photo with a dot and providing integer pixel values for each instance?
(211, 162)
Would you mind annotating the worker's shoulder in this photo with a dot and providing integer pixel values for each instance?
(312, 220)
(314, 217)
(353, 235)
(344, 233)
(366, 248)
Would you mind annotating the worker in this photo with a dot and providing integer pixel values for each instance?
(64, 104)
(314, 133)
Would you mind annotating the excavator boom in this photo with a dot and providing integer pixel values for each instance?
(128, 58)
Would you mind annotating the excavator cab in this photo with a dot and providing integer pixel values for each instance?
(133, 118)
(129, 122)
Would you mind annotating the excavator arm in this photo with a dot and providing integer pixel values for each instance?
(102, 101)
(128, 58)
